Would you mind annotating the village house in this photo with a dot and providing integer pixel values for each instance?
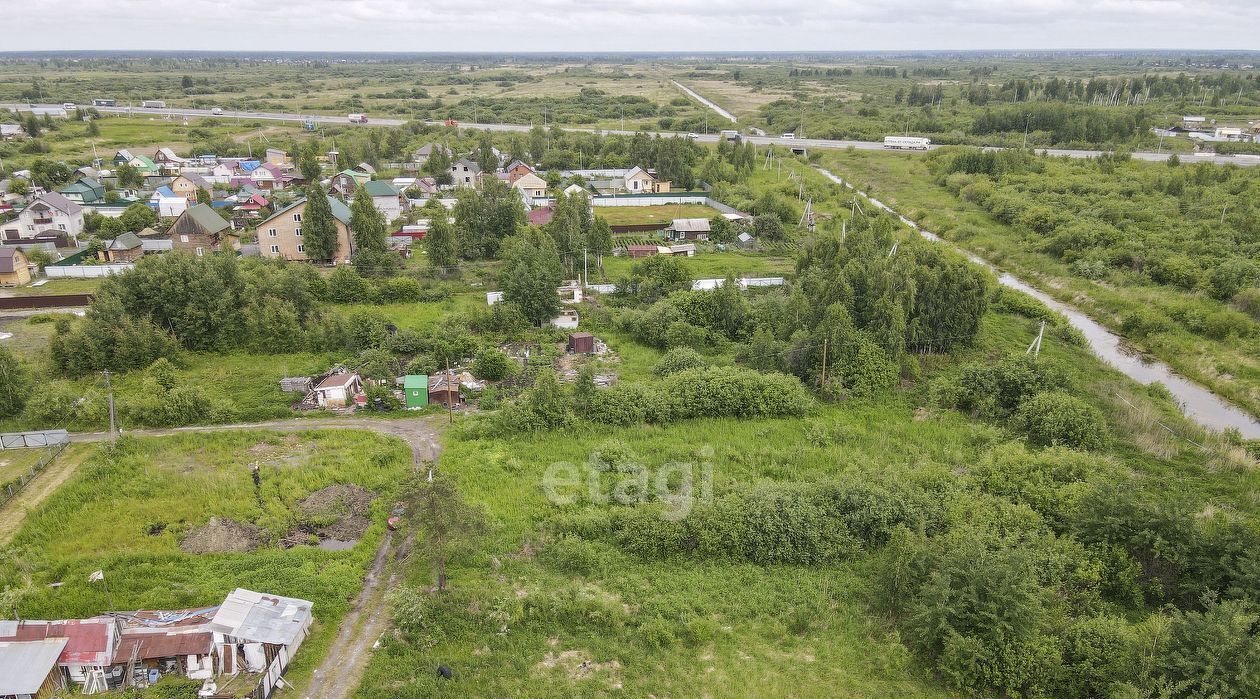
(444, 390)
(531, 186)
(15, 269)
(127, 247)
(187, 184)
(275, 156)
(167, 162)
(88, 655)
(201, 230)
(28, 669)
(167, 203)
(423, 153)
(49, 212)
(268, 177)
(516, 170)
(165, 642)
(259, 633)
(344, 183)
(575, 188)
(280, 236)
(465, 173)
(386, 199)
(9, 132)
(86, 191)
(688, 229)
(122, 156)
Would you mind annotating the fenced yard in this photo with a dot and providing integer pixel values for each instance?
(20, 466)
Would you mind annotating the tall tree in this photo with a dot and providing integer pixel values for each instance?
(367, 222)
(485, 216)
(486, 158)
(531, 274)
(448, 524)
(440, 243)
(319, 228)
(308, 165)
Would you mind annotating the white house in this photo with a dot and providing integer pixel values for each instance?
(338, 390)
(167, 203)
(465, 173)
(385, 198)
(51, 211)
(638, 180)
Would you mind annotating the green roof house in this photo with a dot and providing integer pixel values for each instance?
(415, 391)
(85, 191)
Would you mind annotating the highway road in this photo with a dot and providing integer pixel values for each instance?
(181, 112)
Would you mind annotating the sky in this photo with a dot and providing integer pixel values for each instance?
(628, 25)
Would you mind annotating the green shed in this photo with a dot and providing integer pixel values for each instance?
(416, 390)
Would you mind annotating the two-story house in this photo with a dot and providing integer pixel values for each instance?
(386, 199)
(86, 191)
(201, 230)
(465, 173)
(281, 235)
(531, 187)
(49, 212)
(187, 184)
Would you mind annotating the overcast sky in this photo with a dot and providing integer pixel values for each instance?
(627, 25)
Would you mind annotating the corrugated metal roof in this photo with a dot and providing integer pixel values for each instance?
(89, 643)
(24, 665)
(164, 644)
(692, 225)
(254, 616)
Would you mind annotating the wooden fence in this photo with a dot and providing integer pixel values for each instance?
(11, 303)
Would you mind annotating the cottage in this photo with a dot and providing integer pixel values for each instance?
(688, 229)
(280, 236)
(50, 212)
(344, 183)
(187, 184)
(275, 156)
(28, 669)
(268, 177)
(683, 250)
(465, 173)
(259, 633)
(531, 186)
(167, 162)
(15, 270)
(9, 132)
(123, 157)
(637, 251)
(200, 230)
(575, 189)
(125, 248)
(386, 199)
(423, 153)
(415, 391)
(167, 203)
(338, 390)
(516, 170)
(86, 191)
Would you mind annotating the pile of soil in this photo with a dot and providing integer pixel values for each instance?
(341, 510)
(223, 535)
(338, 501)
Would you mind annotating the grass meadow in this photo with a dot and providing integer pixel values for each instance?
(126, 510)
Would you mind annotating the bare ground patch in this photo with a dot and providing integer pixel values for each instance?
(223, 535)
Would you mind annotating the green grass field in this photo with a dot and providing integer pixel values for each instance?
(125, 513)
(711, 265)
(663, 214)
(16, 462)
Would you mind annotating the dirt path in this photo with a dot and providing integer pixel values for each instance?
(338, 675)
(14, 512)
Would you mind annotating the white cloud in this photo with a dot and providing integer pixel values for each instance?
(636, 25)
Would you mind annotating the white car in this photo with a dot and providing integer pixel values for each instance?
(788, 136)
(693, 136)
(68, 106)
(217, 111)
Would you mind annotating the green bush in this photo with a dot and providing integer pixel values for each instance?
(1057, 419)
(677, 360)
(1227, 323)
(997, 389)
(493, 364)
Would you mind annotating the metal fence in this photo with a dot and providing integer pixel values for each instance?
(33, 440)
(10, 490)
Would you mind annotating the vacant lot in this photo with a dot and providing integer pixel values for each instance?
(664, 214)
(713, 265)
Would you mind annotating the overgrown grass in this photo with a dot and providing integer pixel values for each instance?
(124, 513)
(663, 214)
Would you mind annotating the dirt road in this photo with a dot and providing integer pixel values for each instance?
(51, 478)
(342, 668)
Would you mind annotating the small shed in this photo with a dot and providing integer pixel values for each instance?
(635, 251)
(336, 390)
(415, 391)
(444, 390)
(29, 668)
(581, 343)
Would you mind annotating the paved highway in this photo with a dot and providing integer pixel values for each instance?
(180, 112)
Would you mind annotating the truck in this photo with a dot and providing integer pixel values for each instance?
(104, 102)
(907, 142)
(450, 122)
(357, 118)
(730, 136)
(153, 104)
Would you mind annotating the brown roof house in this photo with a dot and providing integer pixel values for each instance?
(125, 248)
(338, 390)
(200, 230)
(14, 268)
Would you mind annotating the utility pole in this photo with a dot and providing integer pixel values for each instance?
(1027, 117)
(1223, 208)
(586, 275)
(450, 404)
(822, 381)
(1035, 348)
(113, 420)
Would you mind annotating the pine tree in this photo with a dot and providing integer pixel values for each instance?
(367, 223)
(319, 228)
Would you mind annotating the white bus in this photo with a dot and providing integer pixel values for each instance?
(907, 142)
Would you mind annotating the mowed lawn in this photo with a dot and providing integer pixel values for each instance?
(662, 214)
